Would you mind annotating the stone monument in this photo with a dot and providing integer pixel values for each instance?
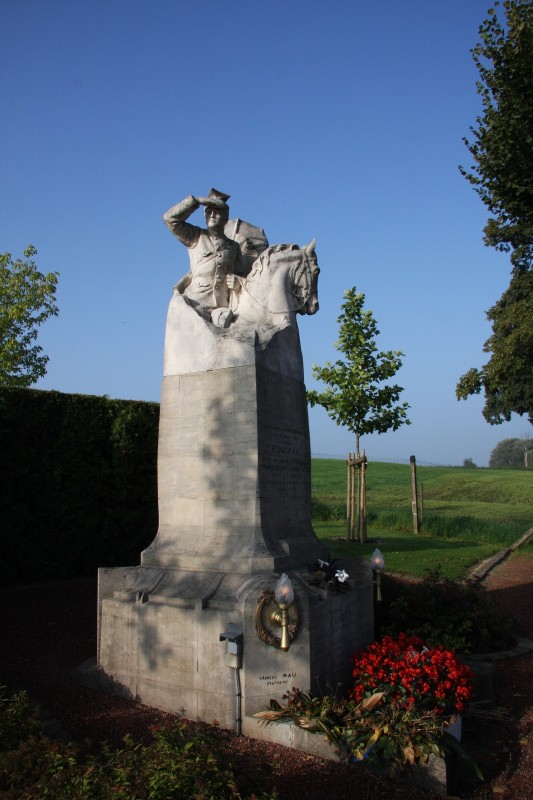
(195, 628)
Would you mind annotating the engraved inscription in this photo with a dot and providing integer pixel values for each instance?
(277, 680)
(283, 461)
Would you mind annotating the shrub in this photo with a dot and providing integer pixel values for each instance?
(182, 761)
(461, 616)
(18, 719)
(79, 483)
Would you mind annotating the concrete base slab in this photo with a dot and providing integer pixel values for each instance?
(160, 641)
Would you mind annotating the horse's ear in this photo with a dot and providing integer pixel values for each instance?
(310, 248)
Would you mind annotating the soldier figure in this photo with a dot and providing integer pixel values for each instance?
(212, 255)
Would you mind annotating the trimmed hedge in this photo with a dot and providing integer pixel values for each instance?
(78, 484)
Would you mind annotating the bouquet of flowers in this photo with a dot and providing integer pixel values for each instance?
(329, 574)
(404, 697)
(422, 690)
(412, 676)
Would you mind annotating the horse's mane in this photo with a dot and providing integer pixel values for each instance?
(264, 258)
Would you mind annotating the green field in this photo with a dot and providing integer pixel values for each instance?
(467, 514)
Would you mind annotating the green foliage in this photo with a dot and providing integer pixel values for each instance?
(18, 719)
(459, 504)
(502, 143)
(469, 464)
(27, 299)
(502, 148)
(79, 483)
(325, 511)
(406, 554)
(507, 377)
(349, 726)
(512, 454)
(462, 616)
(386, 728)
(181, 762)
(356, 396)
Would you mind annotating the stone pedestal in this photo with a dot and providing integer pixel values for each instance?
(233, 473)
(160, 644)
(235, 511)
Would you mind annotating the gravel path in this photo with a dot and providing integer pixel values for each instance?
(48, 630)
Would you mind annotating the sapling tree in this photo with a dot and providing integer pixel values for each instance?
(27, 299)
(356, 394)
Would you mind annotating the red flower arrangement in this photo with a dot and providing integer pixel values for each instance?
(404, 698)
(412, 676)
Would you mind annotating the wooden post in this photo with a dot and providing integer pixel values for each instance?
(349, 499)
(362, 507)
(356, 498)
(357, 467)
(353, 499)
(414, 494)
(421, 509)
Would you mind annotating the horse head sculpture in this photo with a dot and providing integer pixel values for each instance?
(283, 282)
(311, 304)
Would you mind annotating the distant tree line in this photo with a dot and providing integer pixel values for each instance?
(512, 454)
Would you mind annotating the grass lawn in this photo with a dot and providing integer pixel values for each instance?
(405, 553)
(468, 514)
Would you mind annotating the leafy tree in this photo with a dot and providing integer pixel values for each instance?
(27, 299)
(469, 464)
(502, 148)
(355, 396)
(512, 454)
(502, 143)
(507, 378)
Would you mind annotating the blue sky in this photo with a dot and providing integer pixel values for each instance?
(341, 121)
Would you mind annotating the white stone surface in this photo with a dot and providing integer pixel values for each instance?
(234, 485)
(193, 344)
(234, 473)
(163, 647)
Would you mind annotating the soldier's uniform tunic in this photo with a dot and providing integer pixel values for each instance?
(212, 256)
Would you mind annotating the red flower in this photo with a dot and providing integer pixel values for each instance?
(412, 676)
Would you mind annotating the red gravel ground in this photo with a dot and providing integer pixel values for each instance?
(48, 630)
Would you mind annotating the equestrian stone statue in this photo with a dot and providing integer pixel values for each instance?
(230, 280)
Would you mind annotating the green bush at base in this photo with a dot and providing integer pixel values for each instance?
(182, 761)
